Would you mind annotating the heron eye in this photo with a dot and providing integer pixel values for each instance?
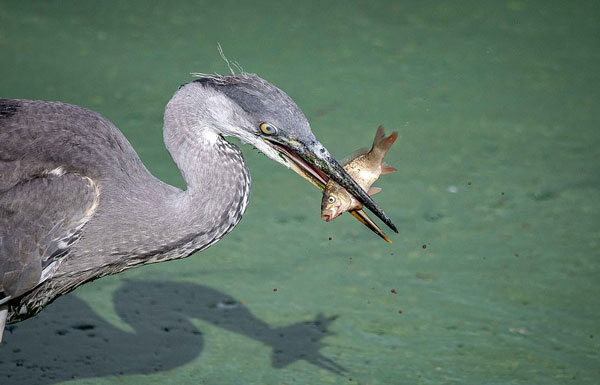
(331, 199)
(268, 129)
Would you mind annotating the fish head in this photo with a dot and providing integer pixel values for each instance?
(335, 201)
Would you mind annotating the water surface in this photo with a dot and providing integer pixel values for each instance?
(495, 269)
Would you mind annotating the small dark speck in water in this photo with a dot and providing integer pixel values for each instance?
(275, 289)
(350, 379)
(424, 246)
(330, 238)
(393, 291)
(591, 336)
(391, 253)
(502, 193)
(61, 332)
(469, 183)
(400, 311)
(517, 255)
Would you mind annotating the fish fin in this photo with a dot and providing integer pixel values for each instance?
(354, 155)
(387, 169)
(382, 143)
(374, 190)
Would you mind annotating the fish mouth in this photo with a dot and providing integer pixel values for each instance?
(314, 163)
(329, 215)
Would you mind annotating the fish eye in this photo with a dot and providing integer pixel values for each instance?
(268, 129)
(331, 199)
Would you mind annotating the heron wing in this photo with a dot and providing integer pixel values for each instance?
(40, 219)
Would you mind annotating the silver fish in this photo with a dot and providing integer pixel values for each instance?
(364, 166)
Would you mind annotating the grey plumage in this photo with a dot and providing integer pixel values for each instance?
(76, 202)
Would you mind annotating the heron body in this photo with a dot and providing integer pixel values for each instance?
(86, 206)
(77, 203)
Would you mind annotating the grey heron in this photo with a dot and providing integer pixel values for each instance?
(77, 203)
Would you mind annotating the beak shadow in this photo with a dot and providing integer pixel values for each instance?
(302, 341)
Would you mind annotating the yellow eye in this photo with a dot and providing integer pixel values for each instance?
(268, 129)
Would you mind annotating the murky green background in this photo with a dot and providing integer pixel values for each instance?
(495, 269)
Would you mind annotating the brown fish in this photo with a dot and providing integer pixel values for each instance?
(364, 167)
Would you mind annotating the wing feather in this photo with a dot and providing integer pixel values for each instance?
(40, 220)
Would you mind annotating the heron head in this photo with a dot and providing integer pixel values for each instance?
(260, 114)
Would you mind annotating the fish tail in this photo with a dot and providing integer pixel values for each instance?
(382, 143)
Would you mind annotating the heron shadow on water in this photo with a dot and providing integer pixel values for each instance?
(69, 340)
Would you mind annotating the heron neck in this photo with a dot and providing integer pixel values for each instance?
(218, 185)
(217, 179)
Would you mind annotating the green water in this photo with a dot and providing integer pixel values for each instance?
(497, 282)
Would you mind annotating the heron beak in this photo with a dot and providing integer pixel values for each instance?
(314, 163)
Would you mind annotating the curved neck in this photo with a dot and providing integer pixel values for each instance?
(218, 190)
(217, 179)
(158, 222)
